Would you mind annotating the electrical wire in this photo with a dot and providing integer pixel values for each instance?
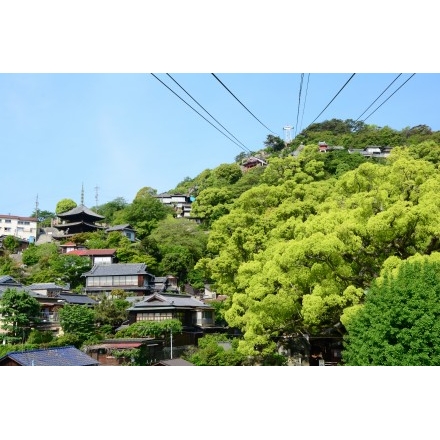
(340, 90)
(189, 105)
(208, 113)
(377, 108)
(241, 103)
(304, 105)
(392, 82)
(299, 100)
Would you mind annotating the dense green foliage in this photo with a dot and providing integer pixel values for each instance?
(215, 350)
(294, 245)
(295, 252)
(399, 324)
(46, 264)
(111, 311)
(78, 320)
(65, 205)
(144, 329)
(19, 312)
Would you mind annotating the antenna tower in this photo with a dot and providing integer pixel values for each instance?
(96, 196)
(287, 133)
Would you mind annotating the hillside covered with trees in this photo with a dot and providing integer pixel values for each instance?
(295, 246)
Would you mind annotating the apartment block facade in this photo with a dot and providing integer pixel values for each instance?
(24, 228)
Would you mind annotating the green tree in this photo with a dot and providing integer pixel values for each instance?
(215, 350)
(399, 323)
(78, 320)
(44, 217)
(109, 209)
(11, 243)
(19, 312)
(144, 214)
(144, 329)
(65, 205)
(40, 254)
(180, 232)
(211, 204)
(13, 267)
(111, 311)
(274, 143)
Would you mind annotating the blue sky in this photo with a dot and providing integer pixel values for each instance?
(80, 108)
(116, 133)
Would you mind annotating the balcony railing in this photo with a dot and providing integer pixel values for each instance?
(49, 317)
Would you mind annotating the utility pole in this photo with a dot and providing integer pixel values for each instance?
(171, 342)
(96, 197)
(36, 215)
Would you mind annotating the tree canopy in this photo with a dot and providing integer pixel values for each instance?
(19, 311)
(65, 205)
(399, 324)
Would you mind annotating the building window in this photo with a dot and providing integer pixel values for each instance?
(207, 315)
(154, 316)
(123, 280)
(8, 220)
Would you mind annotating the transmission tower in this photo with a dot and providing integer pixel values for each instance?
(287, 133)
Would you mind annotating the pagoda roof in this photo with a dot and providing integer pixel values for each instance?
(79, 211)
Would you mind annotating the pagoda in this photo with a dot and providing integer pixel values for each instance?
(79, 219)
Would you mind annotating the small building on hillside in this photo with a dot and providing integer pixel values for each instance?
(181, 203)
(118, 351)
(252, 162)
(96, 256)
(24, 228)
(125, 230)
(133, 278)
(51, 297)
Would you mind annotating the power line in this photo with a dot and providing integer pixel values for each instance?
(304, 105)
(189, 105)
(299, 100)
(208, 112)
(377, 108)
(392, 82)
(349, 79)
(241, 103)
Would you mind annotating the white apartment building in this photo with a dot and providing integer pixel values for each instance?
(21, 227)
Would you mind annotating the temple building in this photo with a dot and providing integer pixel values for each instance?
(78, 220)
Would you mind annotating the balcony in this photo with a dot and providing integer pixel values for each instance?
(48, 318)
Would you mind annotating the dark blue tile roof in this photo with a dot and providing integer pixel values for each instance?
(51, 357)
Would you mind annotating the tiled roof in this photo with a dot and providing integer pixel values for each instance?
(92, 252)
(45, 286)
(7, 279)
(120, 228)
(80, 209)
(117, 269)
(17, 217)
(157, 301)
(74, 298)
(174, 363)
(56, 357)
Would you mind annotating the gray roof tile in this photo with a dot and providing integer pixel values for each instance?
(56, 357)
(118, 269)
